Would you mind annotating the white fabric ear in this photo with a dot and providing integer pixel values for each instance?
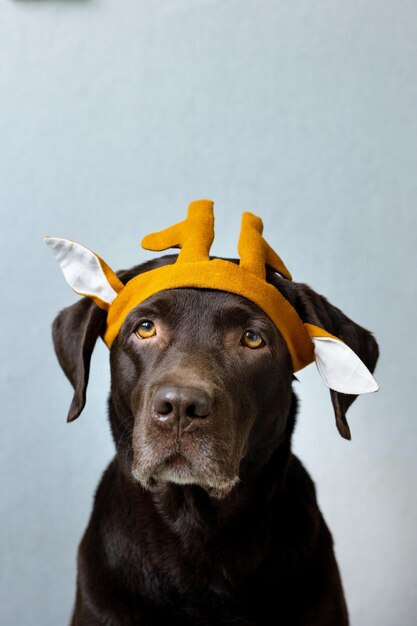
(82, 268)
(342, 369)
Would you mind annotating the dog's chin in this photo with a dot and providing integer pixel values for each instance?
(180, 471)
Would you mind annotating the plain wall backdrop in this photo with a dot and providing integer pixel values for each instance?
(113, 117)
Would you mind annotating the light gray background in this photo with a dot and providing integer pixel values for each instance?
(113, 117)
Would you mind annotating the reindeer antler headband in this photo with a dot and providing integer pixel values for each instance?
(90, 276)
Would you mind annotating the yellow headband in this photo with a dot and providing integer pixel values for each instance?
(89, 275)
(194, 268)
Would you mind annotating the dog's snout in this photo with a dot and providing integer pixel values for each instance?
(174, 403)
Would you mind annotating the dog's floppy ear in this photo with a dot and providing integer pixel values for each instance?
(76, 328)
(74, 332)
(316, 310)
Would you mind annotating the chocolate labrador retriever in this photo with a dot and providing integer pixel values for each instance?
(204, 516)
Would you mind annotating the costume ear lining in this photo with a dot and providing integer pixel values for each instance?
(85, 272)
(341, 369)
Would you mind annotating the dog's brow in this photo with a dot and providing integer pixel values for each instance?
(236, 315)
(161, 306)
(148, 309)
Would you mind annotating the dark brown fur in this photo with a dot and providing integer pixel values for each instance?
(246, 544)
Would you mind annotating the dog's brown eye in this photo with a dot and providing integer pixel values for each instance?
(252, 339)
(146, 329)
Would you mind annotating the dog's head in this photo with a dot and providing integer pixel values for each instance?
(201, 379)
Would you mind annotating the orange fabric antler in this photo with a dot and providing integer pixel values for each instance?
(194, 235)
(254, 251)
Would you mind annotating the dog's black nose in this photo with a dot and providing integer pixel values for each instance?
(174, 403)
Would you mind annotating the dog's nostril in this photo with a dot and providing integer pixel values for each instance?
(200, 408)
(165, 408)
(190, 410)
(161, 405)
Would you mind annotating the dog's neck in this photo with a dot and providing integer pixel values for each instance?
(191, 504)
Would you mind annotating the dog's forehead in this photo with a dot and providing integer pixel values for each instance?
(197, 303)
